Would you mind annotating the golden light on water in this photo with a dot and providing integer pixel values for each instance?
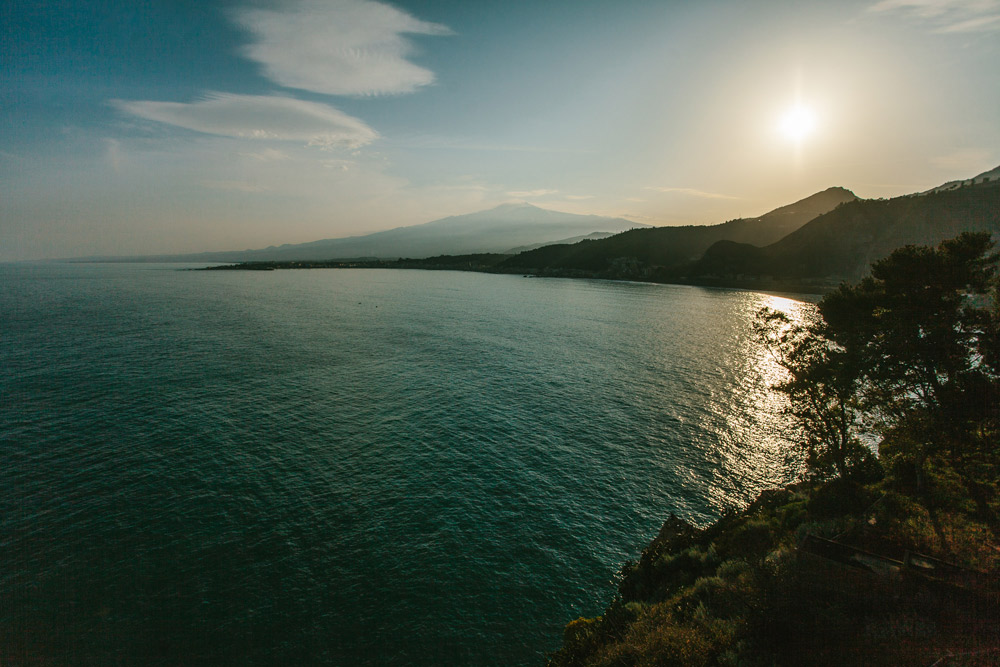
(754, 439)
(768, 367)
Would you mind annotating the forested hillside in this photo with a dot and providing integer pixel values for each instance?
(657, 251)
(815, 255)
(843, 243)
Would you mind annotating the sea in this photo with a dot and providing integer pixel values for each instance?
(356, 467)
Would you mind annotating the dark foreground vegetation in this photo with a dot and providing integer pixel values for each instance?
(887, 552)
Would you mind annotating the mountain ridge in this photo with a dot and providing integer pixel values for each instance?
(985, 177)
(840, 245)
(809, 245)
(672, 247)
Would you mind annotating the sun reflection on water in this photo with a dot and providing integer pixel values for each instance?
(754, 433)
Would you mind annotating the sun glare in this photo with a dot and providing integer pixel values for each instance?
(798, 123)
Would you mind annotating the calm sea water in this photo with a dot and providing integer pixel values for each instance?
(353, 467)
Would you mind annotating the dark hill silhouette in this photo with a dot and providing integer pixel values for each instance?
(842, 244)
(652, 252)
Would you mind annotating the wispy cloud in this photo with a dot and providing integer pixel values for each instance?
(268, 155)
(338, 47)
(423, 141)
(531, 194)
(460, 187)
(947, 15)
(259, 117)
(339, 165)
(691, 192)
(579, 197)
(234, 186)
(979, 24)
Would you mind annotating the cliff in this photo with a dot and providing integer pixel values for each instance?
(840, 573)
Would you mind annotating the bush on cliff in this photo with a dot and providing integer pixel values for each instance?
(908, 360)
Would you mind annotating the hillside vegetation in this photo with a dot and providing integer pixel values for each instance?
(809, 246)
(655, 252)
(842, 244)
(886, 553)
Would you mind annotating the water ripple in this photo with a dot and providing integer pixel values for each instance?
(353, 467)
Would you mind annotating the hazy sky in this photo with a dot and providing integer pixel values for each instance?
(184, 125)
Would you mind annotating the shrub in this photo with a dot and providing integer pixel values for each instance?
(751, 540)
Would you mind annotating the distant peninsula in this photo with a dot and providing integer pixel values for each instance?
(485, 262)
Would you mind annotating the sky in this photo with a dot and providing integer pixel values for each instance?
(162, 126)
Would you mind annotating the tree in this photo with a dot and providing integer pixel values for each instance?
(923, 331)
(915, 323)
(823, 392)
(909, 354)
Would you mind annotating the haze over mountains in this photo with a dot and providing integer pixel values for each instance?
(842, 244)
(813, 244)
(810, 245)
(672, 247)
(498, 230)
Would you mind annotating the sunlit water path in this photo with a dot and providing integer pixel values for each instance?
(354, 467)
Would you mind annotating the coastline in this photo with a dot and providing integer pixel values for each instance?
(487, 264)
(830, 573)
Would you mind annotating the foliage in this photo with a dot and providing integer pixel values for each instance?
(823, 391)
(914, 327)
(909, 350)
(908, 360)
(743, 594)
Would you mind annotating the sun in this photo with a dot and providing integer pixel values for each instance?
(798, 123)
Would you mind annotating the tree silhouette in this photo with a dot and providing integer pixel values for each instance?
(909, 355)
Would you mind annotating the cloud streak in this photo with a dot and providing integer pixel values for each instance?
(528, 194)
(337, 47)
(691, 192)
(949, 16)
(258, 117)
(268, 155)
(979, 24)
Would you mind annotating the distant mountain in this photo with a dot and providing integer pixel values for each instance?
(842, 244)
(494, 231)
(651, 253)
